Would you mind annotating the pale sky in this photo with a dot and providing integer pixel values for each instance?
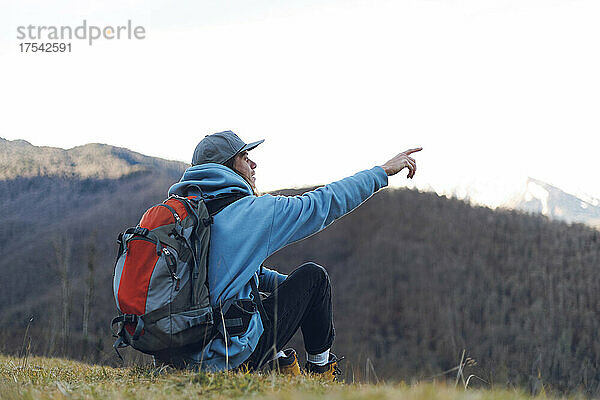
(494, 90)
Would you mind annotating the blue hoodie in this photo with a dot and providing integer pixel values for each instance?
(248, 231)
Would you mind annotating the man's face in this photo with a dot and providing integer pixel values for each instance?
(245, 166)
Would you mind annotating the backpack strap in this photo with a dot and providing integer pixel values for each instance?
(227, 325)
(258, 300)
(233, 316)
(216, 204)
(122, 340)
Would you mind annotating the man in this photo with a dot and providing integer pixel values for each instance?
(250, 229)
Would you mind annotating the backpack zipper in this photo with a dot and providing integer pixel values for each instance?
(172, 266)
(188, 245)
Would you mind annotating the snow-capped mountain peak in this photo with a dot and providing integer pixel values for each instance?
(538, 192)
(543, 198)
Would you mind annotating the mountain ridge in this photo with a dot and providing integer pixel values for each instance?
(21, 159)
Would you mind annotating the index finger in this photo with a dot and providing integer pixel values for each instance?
(413, 150)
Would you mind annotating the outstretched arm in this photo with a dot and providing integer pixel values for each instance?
(298, 217)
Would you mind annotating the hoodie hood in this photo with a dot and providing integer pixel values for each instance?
(210, 180)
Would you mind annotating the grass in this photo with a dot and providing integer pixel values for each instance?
(51, 378)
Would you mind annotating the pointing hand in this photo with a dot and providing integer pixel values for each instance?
(401, 161)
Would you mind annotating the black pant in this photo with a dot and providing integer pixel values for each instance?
(302, 301)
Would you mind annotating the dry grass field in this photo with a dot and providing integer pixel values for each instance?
(51, 378)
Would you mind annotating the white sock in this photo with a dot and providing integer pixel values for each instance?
(319, 359)
(278, 355)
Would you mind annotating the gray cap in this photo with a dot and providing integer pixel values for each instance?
(220, 147)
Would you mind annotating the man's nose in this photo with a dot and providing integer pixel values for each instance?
(252, 164)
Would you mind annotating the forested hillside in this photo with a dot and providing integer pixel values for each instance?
(416, 279)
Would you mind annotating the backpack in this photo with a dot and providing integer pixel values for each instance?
(160, 281)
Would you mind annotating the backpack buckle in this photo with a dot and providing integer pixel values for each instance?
(130, 319)
(138, 230)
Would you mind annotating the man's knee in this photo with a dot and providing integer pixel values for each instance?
(315, 272)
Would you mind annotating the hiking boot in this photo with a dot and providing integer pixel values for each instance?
(328, 372)
(287, 365)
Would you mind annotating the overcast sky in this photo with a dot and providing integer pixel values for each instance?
(494, 90)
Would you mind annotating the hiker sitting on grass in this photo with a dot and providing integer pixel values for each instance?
(251, 228)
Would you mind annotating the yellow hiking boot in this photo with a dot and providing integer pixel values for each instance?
(287, 365)
(328, 372)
